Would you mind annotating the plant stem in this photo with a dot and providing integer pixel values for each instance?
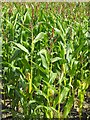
(32, 49)
(59, 103)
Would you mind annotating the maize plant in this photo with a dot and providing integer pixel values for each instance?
(45, 58)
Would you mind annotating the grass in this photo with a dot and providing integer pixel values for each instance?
(45, 58)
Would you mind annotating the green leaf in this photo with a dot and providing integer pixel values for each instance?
(16, 54)
(81, 95)
(78, 49)
(44, 63)
(24, 27)
(40, 68)
(39, 37)
(21, 47)
(39, 92)
(68, 106)
(55, 59)
(61, 28)
(52, 77)
(59, 33)
(50, 86)
(44, 57)
(41, 106)
(32, 101)
(43, 51)
(64, 93)
(87, 80)
(26, 64)
(54, 109)
(27, 17)
(12, 66)
(10, 87)
(56, 101)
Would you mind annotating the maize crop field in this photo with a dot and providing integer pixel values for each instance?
(45, 60)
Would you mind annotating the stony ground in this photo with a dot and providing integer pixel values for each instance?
(86, 108)
(6, 115)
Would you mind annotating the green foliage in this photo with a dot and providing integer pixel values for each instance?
(45, 58)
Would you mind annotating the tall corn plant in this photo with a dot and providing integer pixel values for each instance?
(45, 58)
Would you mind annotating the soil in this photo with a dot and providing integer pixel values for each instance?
(86, 108)
(73, 115)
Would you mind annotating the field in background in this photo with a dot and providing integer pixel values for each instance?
(46, 59)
